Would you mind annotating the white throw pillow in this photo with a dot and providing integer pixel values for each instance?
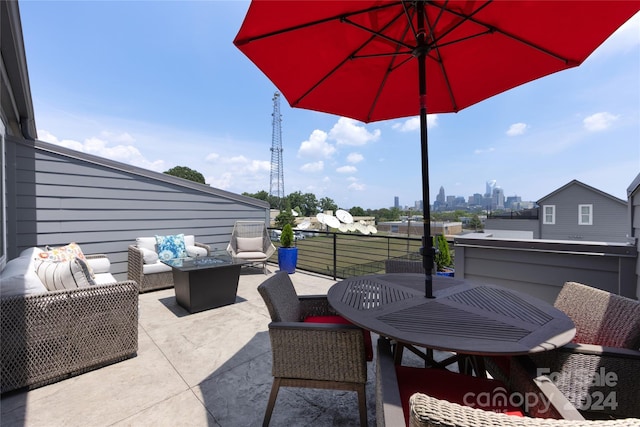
(194, 251)
(64, 274)
(249, 244)
(189, 240)
(19, 276)
(147, 243)
(148, 256)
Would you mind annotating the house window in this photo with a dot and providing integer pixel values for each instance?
(549, 214)
(585, 214)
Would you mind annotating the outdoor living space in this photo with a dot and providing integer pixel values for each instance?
(212, 368)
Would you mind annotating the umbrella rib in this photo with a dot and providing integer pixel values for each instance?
(492, 29)
(310, 24)
(353, 55)
(379, 32)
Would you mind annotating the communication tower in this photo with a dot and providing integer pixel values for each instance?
(276, 186)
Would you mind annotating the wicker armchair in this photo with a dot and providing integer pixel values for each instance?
(312, 355)
(599, 371)
(250, 242)
(153, 275)
(541, 396)
(51, 336)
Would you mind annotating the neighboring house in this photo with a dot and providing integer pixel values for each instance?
(633, 194)
(51, 195)
(577, 211)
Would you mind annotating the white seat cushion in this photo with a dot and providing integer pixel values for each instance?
(104, 278)
(194, 251)
(157, 267)
(258, 256)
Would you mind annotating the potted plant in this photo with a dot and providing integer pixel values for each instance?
(287, 252)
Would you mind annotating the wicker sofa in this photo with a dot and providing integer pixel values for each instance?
(52, 335)
(145, 268)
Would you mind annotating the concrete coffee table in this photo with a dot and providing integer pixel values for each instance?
(204, 283)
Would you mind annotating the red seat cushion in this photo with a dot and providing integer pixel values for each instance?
(368, 346)
(481, 393)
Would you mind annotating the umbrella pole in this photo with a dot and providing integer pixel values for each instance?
(426, 250)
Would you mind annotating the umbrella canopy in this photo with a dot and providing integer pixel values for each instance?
(378, 60)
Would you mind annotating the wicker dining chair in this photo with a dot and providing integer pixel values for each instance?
(403, 266)
(311, 355)
(599, 371)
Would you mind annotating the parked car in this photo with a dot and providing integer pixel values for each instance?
(297, 235)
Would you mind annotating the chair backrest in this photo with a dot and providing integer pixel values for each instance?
(249, 230)
(403, 266)
(601, 318)
(281, 298)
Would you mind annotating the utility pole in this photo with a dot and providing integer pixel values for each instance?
(276, 185)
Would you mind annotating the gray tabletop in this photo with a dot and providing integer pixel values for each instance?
(462, 317)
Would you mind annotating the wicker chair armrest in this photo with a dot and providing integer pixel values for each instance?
(388, 402)
(587, 374)
(598, 350)
(315, 305)
(546, 400)
(427, 411)
(202, 245)
(323, 352)
(95, 256)
(135, 262)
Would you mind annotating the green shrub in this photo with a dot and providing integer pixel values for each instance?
(286, 238)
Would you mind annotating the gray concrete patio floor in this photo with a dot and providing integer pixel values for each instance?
(211, 368)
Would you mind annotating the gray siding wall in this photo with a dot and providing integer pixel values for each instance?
(540, 267)
(609, 217)
(56, 196)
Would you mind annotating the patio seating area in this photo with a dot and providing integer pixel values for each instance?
(211, 368)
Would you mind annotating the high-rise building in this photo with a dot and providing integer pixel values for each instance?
(396, 202)
(498, 198)
(440, 198)
(491, 184)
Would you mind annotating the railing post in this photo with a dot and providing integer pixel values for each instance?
(335, 256)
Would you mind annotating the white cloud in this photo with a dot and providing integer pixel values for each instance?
(316, 146)
(212, 157)
(312, 167)
(355, 158)
(356, 186)
(223, 182)
(599, 121)
(349, 132)
(482, 151)
(413, 123)
(347, 169)
(99, 147)
(124, 137)
(517, 129)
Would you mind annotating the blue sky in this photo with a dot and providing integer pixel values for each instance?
(159, 84)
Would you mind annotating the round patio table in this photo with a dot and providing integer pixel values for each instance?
(463, 317)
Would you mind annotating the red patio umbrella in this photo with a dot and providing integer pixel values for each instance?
(378, 60)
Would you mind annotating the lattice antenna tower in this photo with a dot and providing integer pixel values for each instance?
(276, 187)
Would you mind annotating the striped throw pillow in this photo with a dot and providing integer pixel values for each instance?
(64, 274)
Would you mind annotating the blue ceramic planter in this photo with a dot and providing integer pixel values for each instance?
(287, 259)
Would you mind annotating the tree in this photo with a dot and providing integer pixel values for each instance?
(285, 217)
(357, 211)
(186, 173)
(475, 223)
(263, 195)
(327, 204)
(443, 256)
